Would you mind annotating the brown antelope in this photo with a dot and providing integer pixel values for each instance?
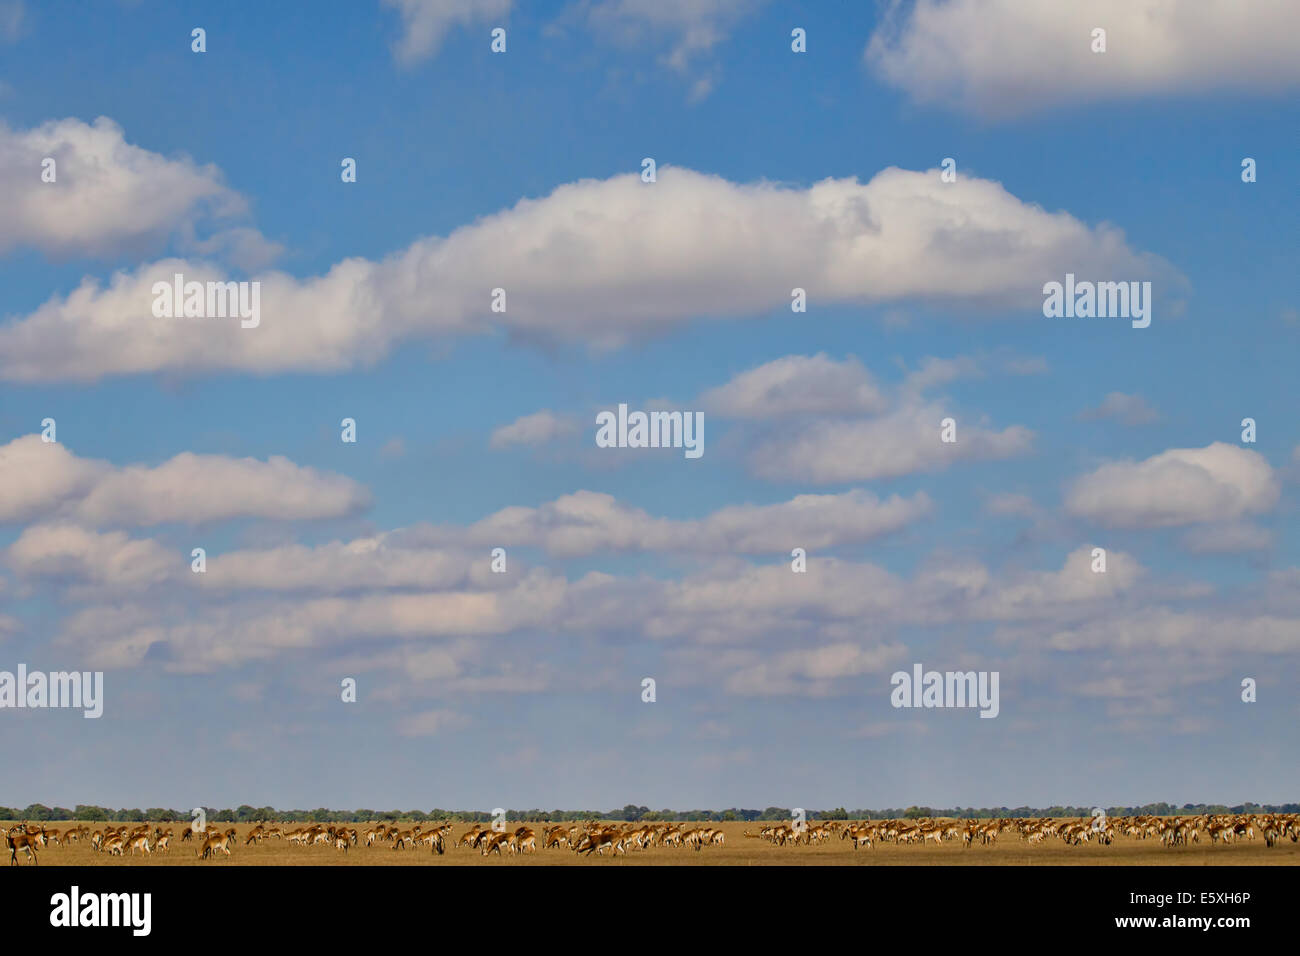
(861, 836)
(214, 842)
(19, 839)
(140, 843)
(494, 843)
(471, 836)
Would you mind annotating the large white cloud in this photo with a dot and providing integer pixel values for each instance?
(1005, 57)
(597, 262)
(40, 479)
(1218, 483)
(109, 196)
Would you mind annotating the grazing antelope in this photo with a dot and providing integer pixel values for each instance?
(213, 843)
(599, 841)
(494, 843)
(470, 837)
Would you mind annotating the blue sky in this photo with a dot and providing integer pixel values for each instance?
(521, 170)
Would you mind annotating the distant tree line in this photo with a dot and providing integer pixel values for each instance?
(631, 813)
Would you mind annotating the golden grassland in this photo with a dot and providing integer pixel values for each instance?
(1009, 850)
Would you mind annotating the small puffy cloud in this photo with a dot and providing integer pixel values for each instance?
(358, 565)
(797, 385)
(1125, 409)
(1000, 58)
(66, 551)
(36, 476)
(933, 372)
(688, 28)
(40, 479)
(539, 428)
(1180, 486)
(1036, 592)
(426, 22)
(110, 195)
(939, 371)
(903, 442)
(811, 671)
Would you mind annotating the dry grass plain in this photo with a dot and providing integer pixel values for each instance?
(738, 851)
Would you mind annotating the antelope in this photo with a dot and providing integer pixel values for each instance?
(599, 841)
(19, 839)
(861, 836)
(471, 836)
(213, 843)
(494, 843)
(523, 840)
(435, 839)
(140, 843)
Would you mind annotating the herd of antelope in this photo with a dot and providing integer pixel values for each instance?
(594, 838)
(114, 840)
(1171, 832)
